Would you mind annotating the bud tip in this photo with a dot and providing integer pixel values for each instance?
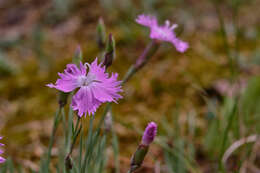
(149, 133)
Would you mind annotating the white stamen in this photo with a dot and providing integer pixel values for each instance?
(167, 23)
(173, 26)
(87, 65)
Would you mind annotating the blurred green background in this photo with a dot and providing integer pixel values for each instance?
(189, 95)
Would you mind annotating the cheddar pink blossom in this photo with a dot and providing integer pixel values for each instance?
(162, 32)
(95, 86)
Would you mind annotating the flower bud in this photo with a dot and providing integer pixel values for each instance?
(149, 134)
(63, 98)
(108, 122)
(68, 163)
(139, 155)
(101, 33)
(77, 56)
(110, 52)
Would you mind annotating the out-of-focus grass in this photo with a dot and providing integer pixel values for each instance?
(36, 48)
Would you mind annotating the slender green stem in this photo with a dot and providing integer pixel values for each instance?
(76, 132)
(89, 141)
(54, 129)
(131, 71)
(77, 126)
(115, 147)
(149, 51)
(224, 141)
(64, 123)
(75, 135)
(180, 155)
(237, 33)
(69, 130)
(225, 38)
(107, 108)
(80, 152)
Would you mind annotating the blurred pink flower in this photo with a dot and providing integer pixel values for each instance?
(149, 133)
(95, 86)
(230, 89)
(2, 160)
(163, 33)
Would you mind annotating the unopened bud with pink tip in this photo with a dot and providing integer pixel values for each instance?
(108, 121)
(110, 51)
(101, 33)
(77, 56)
(149, 134)
(139, 155)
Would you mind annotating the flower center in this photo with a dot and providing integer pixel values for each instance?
(161, 32)
(86, 80)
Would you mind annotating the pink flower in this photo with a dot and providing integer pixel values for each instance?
(2, 160)
(95, 86)
(149, 133)
(163, 33)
